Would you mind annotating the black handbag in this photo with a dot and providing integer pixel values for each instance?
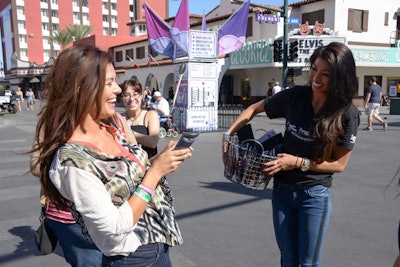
(45, 239)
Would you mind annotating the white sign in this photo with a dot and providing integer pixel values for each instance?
(203, 44)
(203, 70)
(307, 45)
(393, 90)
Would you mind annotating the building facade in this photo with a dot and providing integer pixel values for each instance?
(371, 32)
(27, 28)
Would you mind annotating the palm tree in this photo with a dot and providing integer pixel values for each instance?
(62, 37)
(79, 31)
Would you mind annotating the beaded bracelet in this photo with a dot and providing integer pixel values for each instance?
(143, 194)
(147, 189)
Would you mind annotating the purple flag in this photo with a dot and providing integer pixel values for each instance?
(203, 23)
(232, 35)
(180, 30)
(158, 33)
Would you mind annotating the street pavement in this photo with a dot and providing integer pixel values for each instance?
(224, 224)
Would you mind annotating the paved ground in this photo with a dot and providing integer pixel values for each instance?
(223, 224)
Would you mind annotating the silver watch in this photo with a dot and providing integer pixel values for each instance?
(306, 165)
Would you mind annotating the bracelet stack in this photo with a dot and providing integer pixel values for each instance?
(142, 194)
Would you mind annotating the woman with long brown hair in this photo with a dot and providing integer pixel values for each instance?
(86, 166)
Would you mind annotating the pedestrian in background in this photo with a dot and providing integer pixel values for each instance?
(20, 97)
(87, 166)
(30, 97)
(321, 128)
(373, 103)
(144, 123)
(276, 89)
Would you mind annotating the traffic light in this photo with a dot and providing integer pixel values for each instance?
(293, 50)
(278, 51)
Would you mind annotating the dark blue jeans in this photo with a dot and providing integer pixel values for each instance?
(301, 215)
(154, 255)
(78, 251)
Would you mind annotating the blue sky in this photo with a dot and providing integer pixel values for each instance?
(197, 6)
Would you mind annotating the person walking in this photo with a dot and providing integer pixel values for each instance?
(117, 196)
(30, 97)
(321, 129)
(373, 103)
(19, 98)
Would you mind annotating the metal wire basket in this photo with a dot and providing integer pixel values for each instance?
(245, 162)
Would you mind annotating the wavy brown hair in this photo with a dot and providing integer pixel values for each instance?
(328, 121)
(75, 84)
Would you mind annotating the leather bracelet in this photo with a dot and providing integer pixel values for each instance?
(297, 159)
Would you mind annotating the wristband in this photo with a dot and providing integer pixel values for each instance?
(143, 194)
(147, 189)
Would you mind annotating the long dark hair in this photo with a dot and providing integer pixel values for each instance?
(342, 87)
(75, 84)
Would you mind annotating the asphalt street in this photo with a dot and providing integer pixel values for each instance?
(224, 224)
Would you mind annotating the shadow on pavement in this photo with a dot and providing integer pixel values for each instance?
(26, 247)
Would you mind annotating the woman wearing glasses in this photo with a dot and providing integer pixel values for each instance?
(144, 123)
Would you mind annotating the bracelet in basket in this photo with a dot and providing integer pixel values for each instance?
(143, 194)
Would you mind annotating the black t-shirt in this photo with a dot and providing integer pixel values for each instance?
(295, 106)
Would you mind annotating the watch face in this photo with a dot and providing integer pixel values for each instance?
(306, 165)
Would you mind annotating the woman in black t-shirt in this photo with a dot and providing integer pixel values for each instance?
(321, 129)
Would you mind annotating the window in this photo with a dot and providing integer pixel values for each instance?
(22, 38)
(44, 12)
(113, 6)
(140, 52)
(45, 26)
(357, 20)
(314, 16)
(129, 54)
(105, 30)
(85, 3)
(44, 1)
(114, 19)
(249, 31)
(114, 31)
(20, 10)
(118, 56)
(76, 16)
(54, 26)
(105, 5)
(23, 53)
(85, 16)
(21, 24)
(46, 40)
(105, 18)
(54, 13)
(55, 2)
(386, 22)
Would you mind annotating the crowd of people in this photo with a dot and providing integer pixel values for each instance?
(127, 217)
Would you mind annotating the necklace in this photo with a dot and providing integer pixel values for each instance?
(132, 119)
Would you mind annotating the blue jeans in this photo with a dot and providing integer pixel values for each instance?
(154, 255)
(301, 216)
(78, 251)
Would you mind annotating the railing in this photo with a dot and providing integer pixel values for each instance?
(227, 114)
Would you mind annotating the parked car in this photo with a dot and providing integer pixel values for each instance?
(8, 102)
